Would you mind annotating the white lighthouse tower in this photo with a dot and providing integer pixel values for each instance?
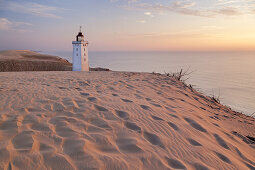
(80, 53)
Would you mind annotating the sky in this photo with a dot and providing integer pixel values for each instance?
(128, 25)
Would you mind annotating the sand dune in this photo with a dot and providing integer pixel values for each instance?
(25, 60)
(117, 120)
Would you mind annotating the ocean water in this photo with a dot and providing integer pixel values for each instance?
(230, 75)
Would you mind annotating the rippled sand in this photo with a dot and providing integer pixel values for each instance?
(117, 120)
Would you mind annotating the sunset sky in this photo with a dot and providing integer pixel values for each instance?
(128, 25)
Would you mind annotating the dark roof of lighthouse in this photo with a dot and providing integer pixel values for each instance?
(80, 34)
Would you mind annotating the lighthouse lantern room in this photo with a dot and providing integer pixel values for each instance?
(80, 53)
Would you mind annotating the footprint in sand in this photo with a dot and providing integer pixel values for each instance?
(173, 116)
(84, 94)
(145, 107)
(169, 109)
(113, 94)
(132, 126)
(82, 83)
(92, 99)
(243, 157)
(249, 166)
(46, 148)
(100, 123)
(42, 127)
(172, 125)
(32, 109)
(245, 139)
(215, 124)
(57, 107)
(4, 156)
(65, 131)
(153, 139)
(220, 141)
(122, 114)
(62, 88)
(111, 88)
(252, 139)
(56, 161)
(68, 102)
(128, 145)
(182, 100)
(43, 101)
(103, 144)
(52, 97)
(148, 99)
(138, 96)
(227, 117)
(156, 105)
(23, 141)
(126, 100)
(223, 158)
(74, 149)
(159, 92)
(78, 89)
(202, 108)
(100, 108)
(195, 125)
(172, 99)
(214, 117)
(139, 92)
(175, 163)
(156, 118)
(193, 142)
(230, 136)
(9, 124)
(199, 166)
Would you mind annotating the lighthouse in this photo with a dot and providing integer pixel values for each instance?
(80, 53)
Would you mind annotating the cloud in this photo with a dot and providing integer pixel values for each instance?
(183, 4)
(228, 11)
(189, 7)
(149, 14)
(4, 24)
(177, 7)
(34, 9)
(7, 25)
(141, 21)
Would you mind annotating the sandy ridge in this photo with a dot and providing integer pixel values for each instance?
(25, 60)
(117, 120)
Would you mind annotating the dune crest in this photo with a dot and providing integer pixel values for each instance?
(117, 120)
(25, 60)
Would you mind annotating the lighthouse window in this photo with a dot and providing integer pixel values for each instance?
(77, 54)
(84, 49)
(76, 49)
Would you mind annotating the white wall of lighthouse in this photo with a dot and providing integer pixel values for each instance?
(80, 54)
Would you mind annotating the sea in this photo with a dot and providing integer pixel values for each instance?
(227, 75)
